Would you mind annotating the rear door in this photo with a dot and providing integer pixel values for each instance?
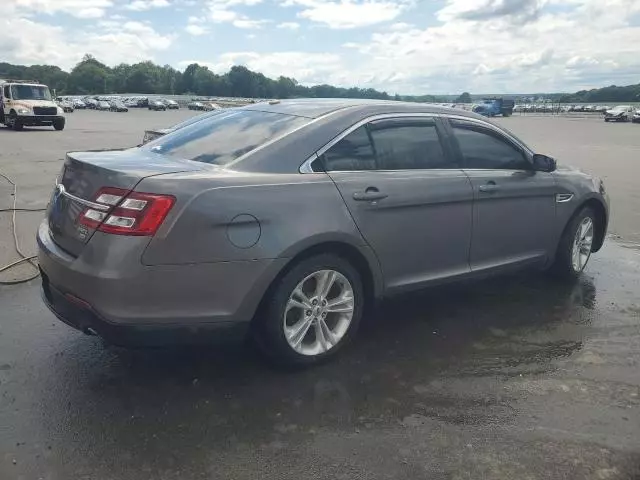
(410, 200)
(514, 206)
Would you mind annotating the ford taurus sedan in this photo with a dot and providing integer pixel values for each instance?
(284, 219)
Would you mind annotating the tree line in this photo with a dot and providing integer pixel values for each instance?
(613, 93)
(91, 76)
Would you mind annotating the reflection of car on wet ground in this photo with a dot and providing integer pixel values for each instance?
(208, 228)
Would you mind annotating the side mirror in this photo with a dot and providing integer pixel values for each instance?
(542, 163)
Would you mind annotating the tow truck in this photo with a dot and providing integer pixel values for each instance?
(28, 103)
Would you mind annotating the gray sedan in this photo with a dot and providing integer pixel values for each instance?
(284, 219)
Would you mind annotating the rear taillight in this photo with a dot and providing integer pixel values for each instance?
(130, 213)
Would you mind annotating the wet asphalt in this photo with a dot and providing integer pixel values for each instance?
(517, 377)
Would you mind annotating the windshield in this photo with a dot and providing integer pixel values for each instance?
(30, 92)
(223, 138)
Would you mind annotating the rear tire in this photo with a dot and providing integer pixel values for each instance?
(58, 124)
(574, 249)
(302, 323)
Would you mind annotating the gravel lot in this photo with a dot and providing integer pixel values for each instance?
(509, 378)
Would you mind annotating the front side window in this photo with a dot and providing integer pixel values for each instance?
(407, 145)
(30, 92)
(223, 138)
(393, 144)
(486, 149)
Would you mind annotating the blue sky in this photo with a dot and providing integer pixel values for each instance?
(401, 46)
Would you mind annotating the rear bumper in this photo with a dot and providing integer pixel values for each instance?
(113, 293)
(79, 315)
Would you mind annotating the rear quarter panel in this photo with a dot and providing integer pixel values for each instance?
(232, 216)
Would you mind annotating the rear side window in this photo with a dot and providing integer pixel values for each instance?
(394, 144)
(486, 149)
(354, 152)
(223, 138)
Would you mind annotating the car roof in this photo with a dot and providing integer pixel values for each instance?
(318, 107)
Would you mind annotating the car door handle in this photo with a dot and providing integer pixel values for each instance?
(490, 187)
(369, 195)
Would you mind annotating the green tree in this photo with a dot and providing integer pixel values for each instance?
(464, 98)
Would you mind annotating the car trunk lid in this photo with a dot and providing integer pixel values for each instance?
(82, 177)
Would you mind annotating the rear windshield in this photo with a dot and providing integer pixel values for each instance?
(221, 139)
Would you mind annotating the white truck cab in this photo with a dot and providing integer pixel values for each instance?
(27, 103)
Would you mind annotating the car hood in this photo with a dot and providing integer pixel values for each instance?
(614, 112)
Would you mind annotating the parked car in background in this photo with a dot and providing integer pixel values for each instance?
(621, 113)
(79, 104)
(103, 105)
(91, 103)
(636, 116)
(195, 106)
(66, 106)
(118, 106)
(200, 229)
(209, 106)
(150, 135)
(157, 105)
(172, 104)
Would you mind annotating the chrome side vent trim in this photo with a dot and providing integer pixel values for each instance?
(564, 197)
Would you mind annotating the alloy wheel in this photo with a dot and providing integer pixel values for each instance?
(319, 312)
(582, 242)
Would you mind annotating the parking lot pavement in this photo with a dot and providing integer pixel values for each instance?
(517, 377)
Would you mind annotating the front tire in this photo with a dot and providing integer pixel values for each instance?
(314, 310)
(574, 249)
(59, 123)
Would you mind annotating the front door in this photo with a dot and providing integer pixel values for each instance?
(410, 200)
(514, 206)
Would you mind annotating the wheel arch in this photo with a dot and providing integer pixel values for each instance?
(360, 256)
(601, 220)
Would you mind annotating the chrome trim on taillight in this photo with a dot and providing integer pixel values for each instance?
(60, 190)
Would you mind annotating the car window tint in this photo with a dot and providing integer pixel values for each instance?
(353, 152)
(484, 148)
(407, 145)
(6, 92)
(225, 137)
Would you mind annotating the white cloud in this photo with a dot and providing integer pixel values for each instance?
(289, 25)
(345, 14)
(195, 30)
(219, 12)
(76, 8)
(482, 50)
(26, 41)
(142, 5)
(398, 27)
